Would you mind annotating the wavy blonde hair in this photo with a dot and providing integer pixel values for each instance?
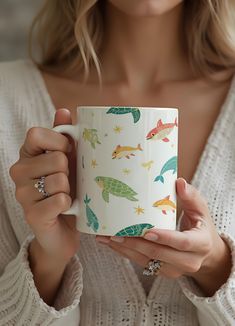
(69, 34)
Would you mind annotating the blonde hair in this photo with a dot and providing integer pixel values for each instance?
(69, 34)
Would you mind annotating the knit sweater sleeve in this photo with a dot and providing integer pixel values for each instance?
(20, 302)
(220, 308)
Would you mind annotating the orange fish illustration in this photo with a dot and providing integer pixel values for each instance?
(165, 204)
(162, 130)
(125, 151)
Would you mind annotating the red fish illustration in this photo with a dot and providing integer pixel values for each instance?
(162, 130)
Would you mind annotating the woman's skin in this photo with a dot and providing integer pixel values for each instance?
(143, 64)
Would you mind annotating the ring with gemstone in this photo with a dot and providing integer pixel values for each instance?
(153, 268)
(40, 186)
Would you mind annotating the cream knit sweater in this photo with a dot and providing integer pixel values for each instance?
(109, 292)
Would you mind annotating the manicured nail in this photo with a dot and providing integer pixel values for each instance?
(117, 239)
(151, 236)
(185, 185)
(103, 239)
(200, 223)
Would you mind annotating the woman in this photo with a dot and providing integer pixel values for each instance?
(150, 53)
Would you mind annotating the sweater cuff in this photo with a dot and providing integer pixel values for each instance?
(20, 302)
(220, 308)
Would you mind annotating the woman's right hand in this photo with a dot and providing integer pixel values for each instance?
(56, 236)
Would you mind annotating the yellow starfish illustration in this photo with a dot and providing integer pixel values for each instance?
(104, 227)
(148, 165)
(139, 210)
(117, 129)
(126, 171)
(94, 163)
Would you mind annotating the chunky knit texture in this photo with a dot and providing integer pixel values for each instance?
(109, 292)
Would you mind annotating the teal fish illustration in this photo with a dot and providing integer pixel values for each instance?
(91, 136)
(171, 164)
(92, 220)
(124, 110)
(116, 188)
(136, 230)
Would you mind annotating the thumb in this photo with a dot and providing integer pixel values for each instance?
(191, 200)
(62, 117)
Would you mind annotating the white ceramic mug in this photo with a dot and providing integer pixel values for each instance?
(126, 169)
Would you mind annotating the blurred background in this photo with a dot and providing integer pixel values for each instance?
(15, 20)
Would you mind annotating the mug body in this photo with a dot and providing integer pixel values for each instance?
(126, 169)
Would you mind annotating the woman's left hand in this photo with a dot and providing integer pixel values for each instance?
(197, 250)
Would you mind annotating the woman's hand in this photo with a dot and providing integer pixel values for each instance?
(56, 237)
(197, 251)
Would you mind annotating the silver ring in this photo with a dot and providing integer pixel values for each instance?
(40, 186)
(153, 268)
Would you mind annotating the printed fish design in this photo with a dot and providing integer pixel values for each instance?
(165, 205)
(134, 230)
(92, 220)
(161, 131)
(124, 110)
(116, 188)
(171, 164)
(125, 151)
(91, 136)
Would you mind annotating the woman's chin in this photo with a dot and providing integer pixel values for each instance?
(145, 8)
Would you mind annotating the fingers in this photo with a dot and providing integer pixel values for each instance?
(167, 269)
(35, 167)
(43, 214)
(38, 140)
(131, 254)
(149, 249)
(185, 261)
(192, 240)
(191, 200)
(55, 183)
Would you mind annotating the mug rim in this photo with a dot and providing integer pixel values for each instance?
(155, 108)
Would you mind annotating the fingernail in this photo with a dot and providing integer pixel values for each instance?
(103, 239)
(117, 239)
(200, 223)
(185, 186)
(151, 236)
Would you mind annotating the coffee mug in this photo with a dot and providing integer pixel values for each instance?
(126, 169)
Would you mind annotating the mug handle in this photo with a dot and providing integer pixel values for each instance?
(73, 131)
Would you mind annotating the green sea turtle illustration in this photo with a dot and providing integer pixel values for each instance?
(124, 110)
(92, 220)
(171, 164)
(134, 230)
(116, 188)
(91, 136)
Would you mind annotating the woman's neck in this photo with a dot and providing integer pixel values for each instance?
(141, 51)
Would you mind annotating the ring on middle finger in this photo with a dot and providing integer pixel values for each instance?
(40, 186)
(153, 268)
